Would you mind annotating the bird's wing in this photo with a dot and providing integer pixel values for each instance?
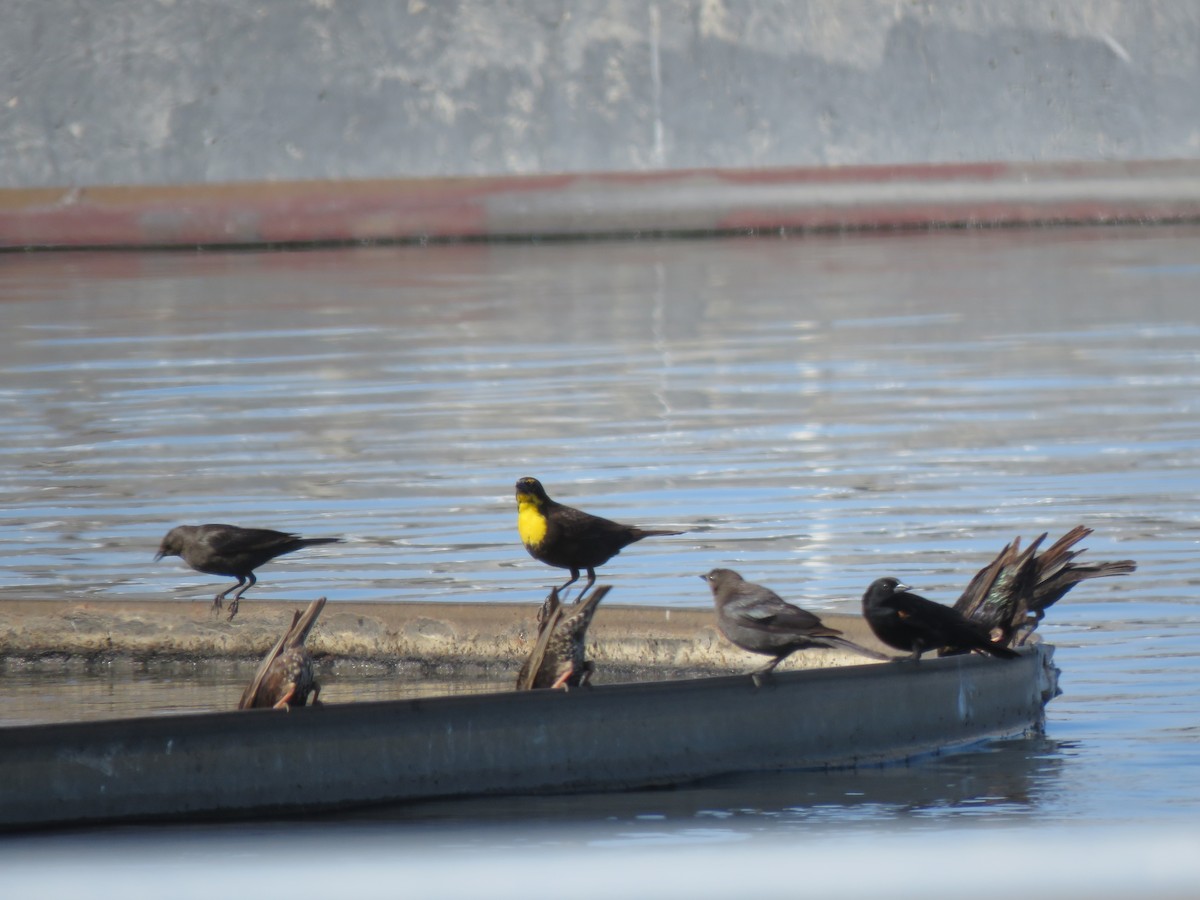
(533, 664)
(251, 691)
(771, 612)
(243, 540)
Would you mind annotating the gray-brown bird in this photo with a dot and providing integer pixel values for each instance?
(569, 538)
(559, 656)
(232, 551)
(757, 619)
(285, 676)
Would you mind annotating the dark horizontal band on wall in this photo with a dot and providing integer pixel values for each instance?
(686, 202)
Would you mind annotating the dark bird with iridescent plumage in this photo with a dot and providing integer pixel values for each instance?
(757, 619)
(232, 551)
(285, 676)
(1010, 595)
(569, 538)
(559, 655)
(910, 622)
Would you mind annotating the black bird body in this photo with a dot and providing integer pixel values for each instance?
(285, 676)
(757, 619)
(1010, 595)
(233, 551)
(559, 656)
(910, 622)
(569, 538)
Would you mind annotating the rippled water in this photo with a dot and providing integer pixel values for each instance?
(816, 412)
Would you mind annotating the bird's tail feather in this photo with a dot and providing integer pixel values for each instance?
(847, 644)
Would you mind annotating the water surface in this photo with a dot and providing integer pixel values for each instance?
(815, 412)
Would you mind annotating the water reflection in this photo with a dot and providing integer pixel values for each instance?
(994, 782)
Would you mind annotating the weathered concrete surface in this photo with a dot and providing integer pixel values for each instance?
(610, 737)
(151, 92)
(448, 636)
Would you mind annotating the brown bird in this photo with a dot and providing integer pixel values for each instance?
(1009, 596)
(559, 656)
(285, 676)
(910, 622)
(569, 538)
(757, 619)
(232, 551)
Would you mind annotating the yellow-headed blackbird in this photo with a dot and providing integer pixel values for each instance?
(1009, 596)
(233, 551)
(285, 676)
(910, 622)
(759, 620)
(559, 656)
(569, 538)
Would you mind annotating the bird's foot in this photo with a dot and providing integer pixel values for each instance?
(233, 608)
(282, 702)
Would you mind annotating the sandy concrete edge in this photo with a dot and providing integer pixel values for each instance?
(452, 637)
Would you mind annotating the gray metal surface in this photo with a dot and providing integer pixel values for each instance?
(146, 92)
(612, 737)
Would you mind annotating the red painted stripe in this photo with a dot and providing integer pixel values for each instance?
(691, 200)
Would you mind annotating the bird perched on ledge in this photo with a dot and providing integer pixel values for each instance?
(559, 656)
(1010, 595)
(759, 620)
(909, 622)
(285, 676)
(232, 551)
(569, 538)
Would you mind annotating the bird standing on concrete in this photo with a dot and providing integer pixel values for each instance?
(910, 622)
(569, 538)
(232, 551)
(559, 656)
(285, 676)
(759, 620)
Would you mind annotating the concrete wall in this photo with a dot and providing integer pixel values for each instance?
(162, 92)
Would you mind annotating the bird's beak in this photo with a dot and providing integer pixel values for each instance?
(158, 556)
(901, 586)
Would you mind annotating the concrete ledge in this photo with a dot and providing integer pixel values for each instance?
(689, 202)
(454, 637)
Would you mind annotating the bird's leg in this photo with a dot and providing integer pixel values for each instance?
(917, 650)
(316, 692)
(760, 676)
(233, 604)
(570, 581)
(283, 701)
(585, 677)
(591, 580)
(217, 605)
(561, 681)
